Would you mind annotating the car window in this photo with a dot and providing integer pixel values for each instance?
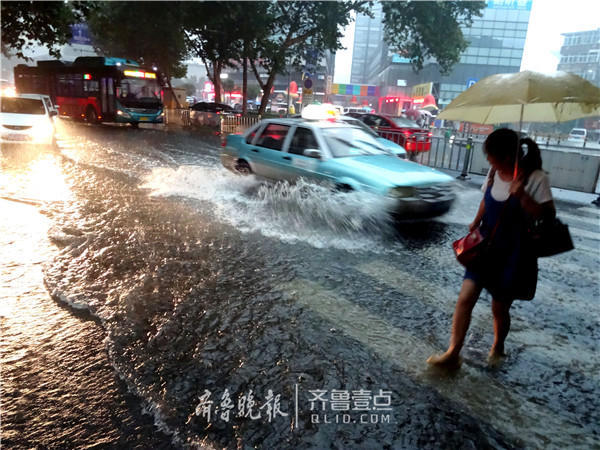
(18, 105)
(359, 124)
(405, 123)
(352, 141)
(385, 123)
(303, 139)
(370, 120)
(251, 135)
(273, 136)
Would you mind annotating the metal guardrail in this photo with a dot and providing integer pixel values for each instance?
(179, 116)
(237, 124)
(573, 168)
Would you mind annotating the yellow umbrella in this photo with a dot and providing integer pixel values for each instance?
(525, 97)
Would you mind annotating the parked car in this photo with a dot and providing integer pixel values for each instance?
(28, 119)
(403, 131)
(341, 155)
(577, 136)
(209, 114)
(392, 147)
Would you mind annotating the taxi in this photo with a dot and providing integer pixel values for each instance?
(323, 149)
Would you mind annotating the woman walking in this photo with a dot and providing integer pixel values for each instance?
(517, 191)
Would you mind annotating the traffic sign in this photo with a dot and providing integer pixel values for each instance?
(471, 82)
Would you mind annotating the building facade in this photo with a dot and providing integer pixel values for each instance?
(496, 43)
(580, 54)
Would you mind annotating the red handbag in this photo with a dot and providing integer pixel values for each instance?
(469, 247)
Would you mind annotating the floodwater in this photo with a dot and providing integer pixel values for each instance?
(144, 287)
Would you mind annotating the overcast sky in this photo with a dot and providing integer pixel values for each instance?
(549, 18)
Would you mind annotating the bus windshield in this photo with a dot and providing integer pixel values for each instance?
(139, 92)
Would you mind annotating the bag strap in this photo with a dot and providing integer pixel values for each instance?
(491, 183)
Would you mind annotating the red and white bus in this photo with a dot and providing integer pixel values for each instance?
(96, 89)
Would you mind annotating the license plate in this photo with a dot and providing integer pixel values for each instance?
(420, 138)
(144, 118)
(16, 137)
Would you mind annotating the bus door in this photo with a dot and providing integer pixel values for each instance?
(107, 96)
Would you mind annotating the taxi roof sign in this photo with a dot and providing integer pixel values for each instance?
(320, 112)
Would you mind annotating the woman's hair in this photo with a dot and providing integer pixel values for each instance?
(502, 144)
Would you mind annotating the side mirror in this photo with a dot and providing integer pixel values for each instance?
(312, 153)
(52, 113)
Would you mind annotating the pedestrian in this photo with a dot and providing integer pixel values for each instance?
(514, 195)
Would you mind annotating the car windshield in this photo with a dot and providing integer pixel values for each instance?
(351, 141)
(17, 105)
(404, 123)
(359, 124)
(577, 132)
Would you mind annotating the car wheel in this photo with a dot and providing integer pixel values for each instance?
(243, 168)
(135, 125)
(343, 188)
(90, 115)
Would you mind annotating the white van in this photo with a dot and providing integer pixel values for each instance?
(577, 136)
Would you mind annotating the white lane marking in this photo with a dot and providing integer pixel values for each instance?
(591, 210)
(488, 399)
(584, 233)
(589, 220)
(445, 300)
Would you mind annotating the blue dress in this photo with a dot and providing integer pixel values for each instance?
(508, 268)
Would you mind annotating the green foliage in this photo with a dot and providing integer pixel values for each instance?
(151, 32)
(253, 91)
(25, 24)
(421, 30)
(228, 85)
(298, 29)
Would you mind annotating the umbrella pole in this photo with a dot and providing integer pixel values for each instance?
(518, 143)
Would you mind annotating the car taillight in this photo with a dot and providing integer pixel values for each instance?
(430, 134)
(224, 141)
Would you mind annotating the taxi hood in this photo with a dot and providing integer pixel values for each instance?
(385, 169)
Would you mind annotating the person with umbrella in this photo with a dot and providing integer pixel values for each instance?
(517, 191)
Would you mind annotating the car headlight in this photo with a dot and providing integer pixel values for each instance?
(123, 114)
(42, 131)
(402, 192)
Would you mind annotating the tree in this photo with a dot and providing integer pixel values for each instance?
(212, 34)
(25, 24)
(300, 30)
(150, 32)
(421, 30)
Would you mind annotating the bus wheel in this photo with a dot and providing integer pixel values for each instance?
(90, 115)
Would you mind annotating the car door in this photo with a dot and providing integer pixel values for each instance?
(298, 165)
(267, 154)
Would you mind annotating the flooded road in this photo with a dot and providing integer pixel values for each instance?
(139, 275)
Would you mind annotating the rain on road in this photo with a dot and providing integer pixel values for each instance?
(139, 275)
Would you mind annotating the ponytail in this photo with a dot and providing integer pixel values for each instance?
(532, 161)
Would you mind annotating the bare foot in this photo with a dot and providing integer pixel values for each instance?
(445, 361)
(495, 357)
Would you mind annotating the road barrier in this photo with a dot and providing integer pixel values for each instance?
(237, 124)
(179, 117)
(569, 168)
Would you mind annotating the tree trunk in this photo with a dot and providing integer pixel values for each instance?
(217, 80)
(173, 93)
(267, 93)
(244, 85)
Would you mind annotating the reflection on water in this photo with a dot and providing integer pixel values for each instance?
(203, 280)
(32, 175)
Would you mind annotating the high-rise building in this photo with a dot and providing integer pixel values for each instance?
(580, 54)
(496, 42)
(369, 47)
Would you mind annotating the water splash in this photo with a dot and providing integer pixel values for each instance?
(303, 211)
